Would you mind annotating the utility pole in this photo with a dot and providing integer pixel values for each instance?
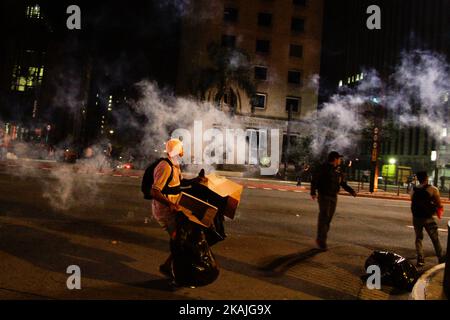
(374, 166)
(378, 115)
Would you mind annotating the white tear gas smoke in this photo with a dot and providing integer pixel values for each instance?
(65, 186)
(70, 186)
(415, 94)
(165, 113)
(196, 10)
(422, 83)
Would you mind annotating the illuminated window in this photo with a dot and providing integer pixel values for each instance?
(340, 83)
(362, 76)
(24, 78)
(33, 12)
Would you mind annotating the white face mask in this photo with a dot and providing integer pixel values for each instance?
(177, 160)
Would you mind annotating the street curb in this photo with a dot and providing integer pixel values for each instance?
(418, 292)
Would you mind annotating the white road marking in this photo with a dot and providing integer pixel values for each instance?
(267, 188)
(439, 229)
(251, 187)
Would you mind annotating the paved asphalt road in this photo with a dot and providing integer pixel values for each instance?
(52, 219)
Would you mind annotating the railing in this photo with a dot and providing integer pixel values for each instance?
(447, 266)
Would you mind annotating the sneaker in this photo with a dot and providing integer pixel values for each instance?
(322, 245)
(420, 261)
(166, 270)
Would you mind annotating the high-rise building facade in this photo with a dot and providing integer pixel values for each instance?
(283, 41)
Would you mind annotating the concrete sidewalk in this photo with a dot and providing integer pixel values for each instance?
(430, 285)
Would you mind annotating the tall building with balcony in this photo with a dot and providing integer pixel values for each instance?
(283, 41)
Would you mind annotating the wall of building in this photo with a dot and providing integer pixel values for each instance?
(205, 24)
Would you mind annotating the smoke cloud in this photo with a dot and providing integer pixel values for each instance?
(415, 94)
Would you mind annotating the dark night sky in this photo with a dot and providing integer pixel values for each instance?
(128, 40)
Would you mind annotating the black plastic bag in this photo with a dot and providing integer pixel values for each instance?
(395, 269)
(193, 263)
(216, 232)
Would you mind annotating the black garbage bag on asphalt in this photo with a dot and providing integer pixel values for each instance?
(193, 263)
(395, 269)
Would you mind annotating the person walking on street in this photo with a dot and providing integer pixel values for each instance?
(326, 181)
(165, 191)
(425, 204)
(299, 170)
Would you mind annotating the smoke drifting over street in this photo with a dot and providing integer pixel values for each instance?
(421, 79)
(415, 95)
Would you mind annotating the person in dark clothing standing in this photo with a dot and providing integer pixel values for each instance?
(425, 204)
(327, 181)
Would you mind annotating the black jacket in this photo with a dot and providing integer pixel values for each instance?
(327, 180)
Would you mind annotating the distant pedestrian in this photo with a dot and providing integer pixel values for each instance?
(425, 204)
(299, 167)
(327, 180)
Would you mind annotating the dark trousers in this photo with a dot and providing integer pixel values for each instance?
(327, 207)
(431, 227)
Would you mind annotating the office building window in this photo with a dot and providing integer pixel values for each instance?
(297, 25)
(296, 51)
(262, 46)
(294, 77)
(259, 100)
(228, 41)
(33, 12)
(26, 78)
(265, 19)
(294, 103)
(260, 73)
(230, 15)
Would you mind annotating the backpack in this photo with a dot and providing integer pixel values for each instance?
(148, 178)
(422, 204)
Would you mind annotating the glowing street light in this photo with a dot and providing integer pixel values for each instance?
(433, 155)
(392, 161)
